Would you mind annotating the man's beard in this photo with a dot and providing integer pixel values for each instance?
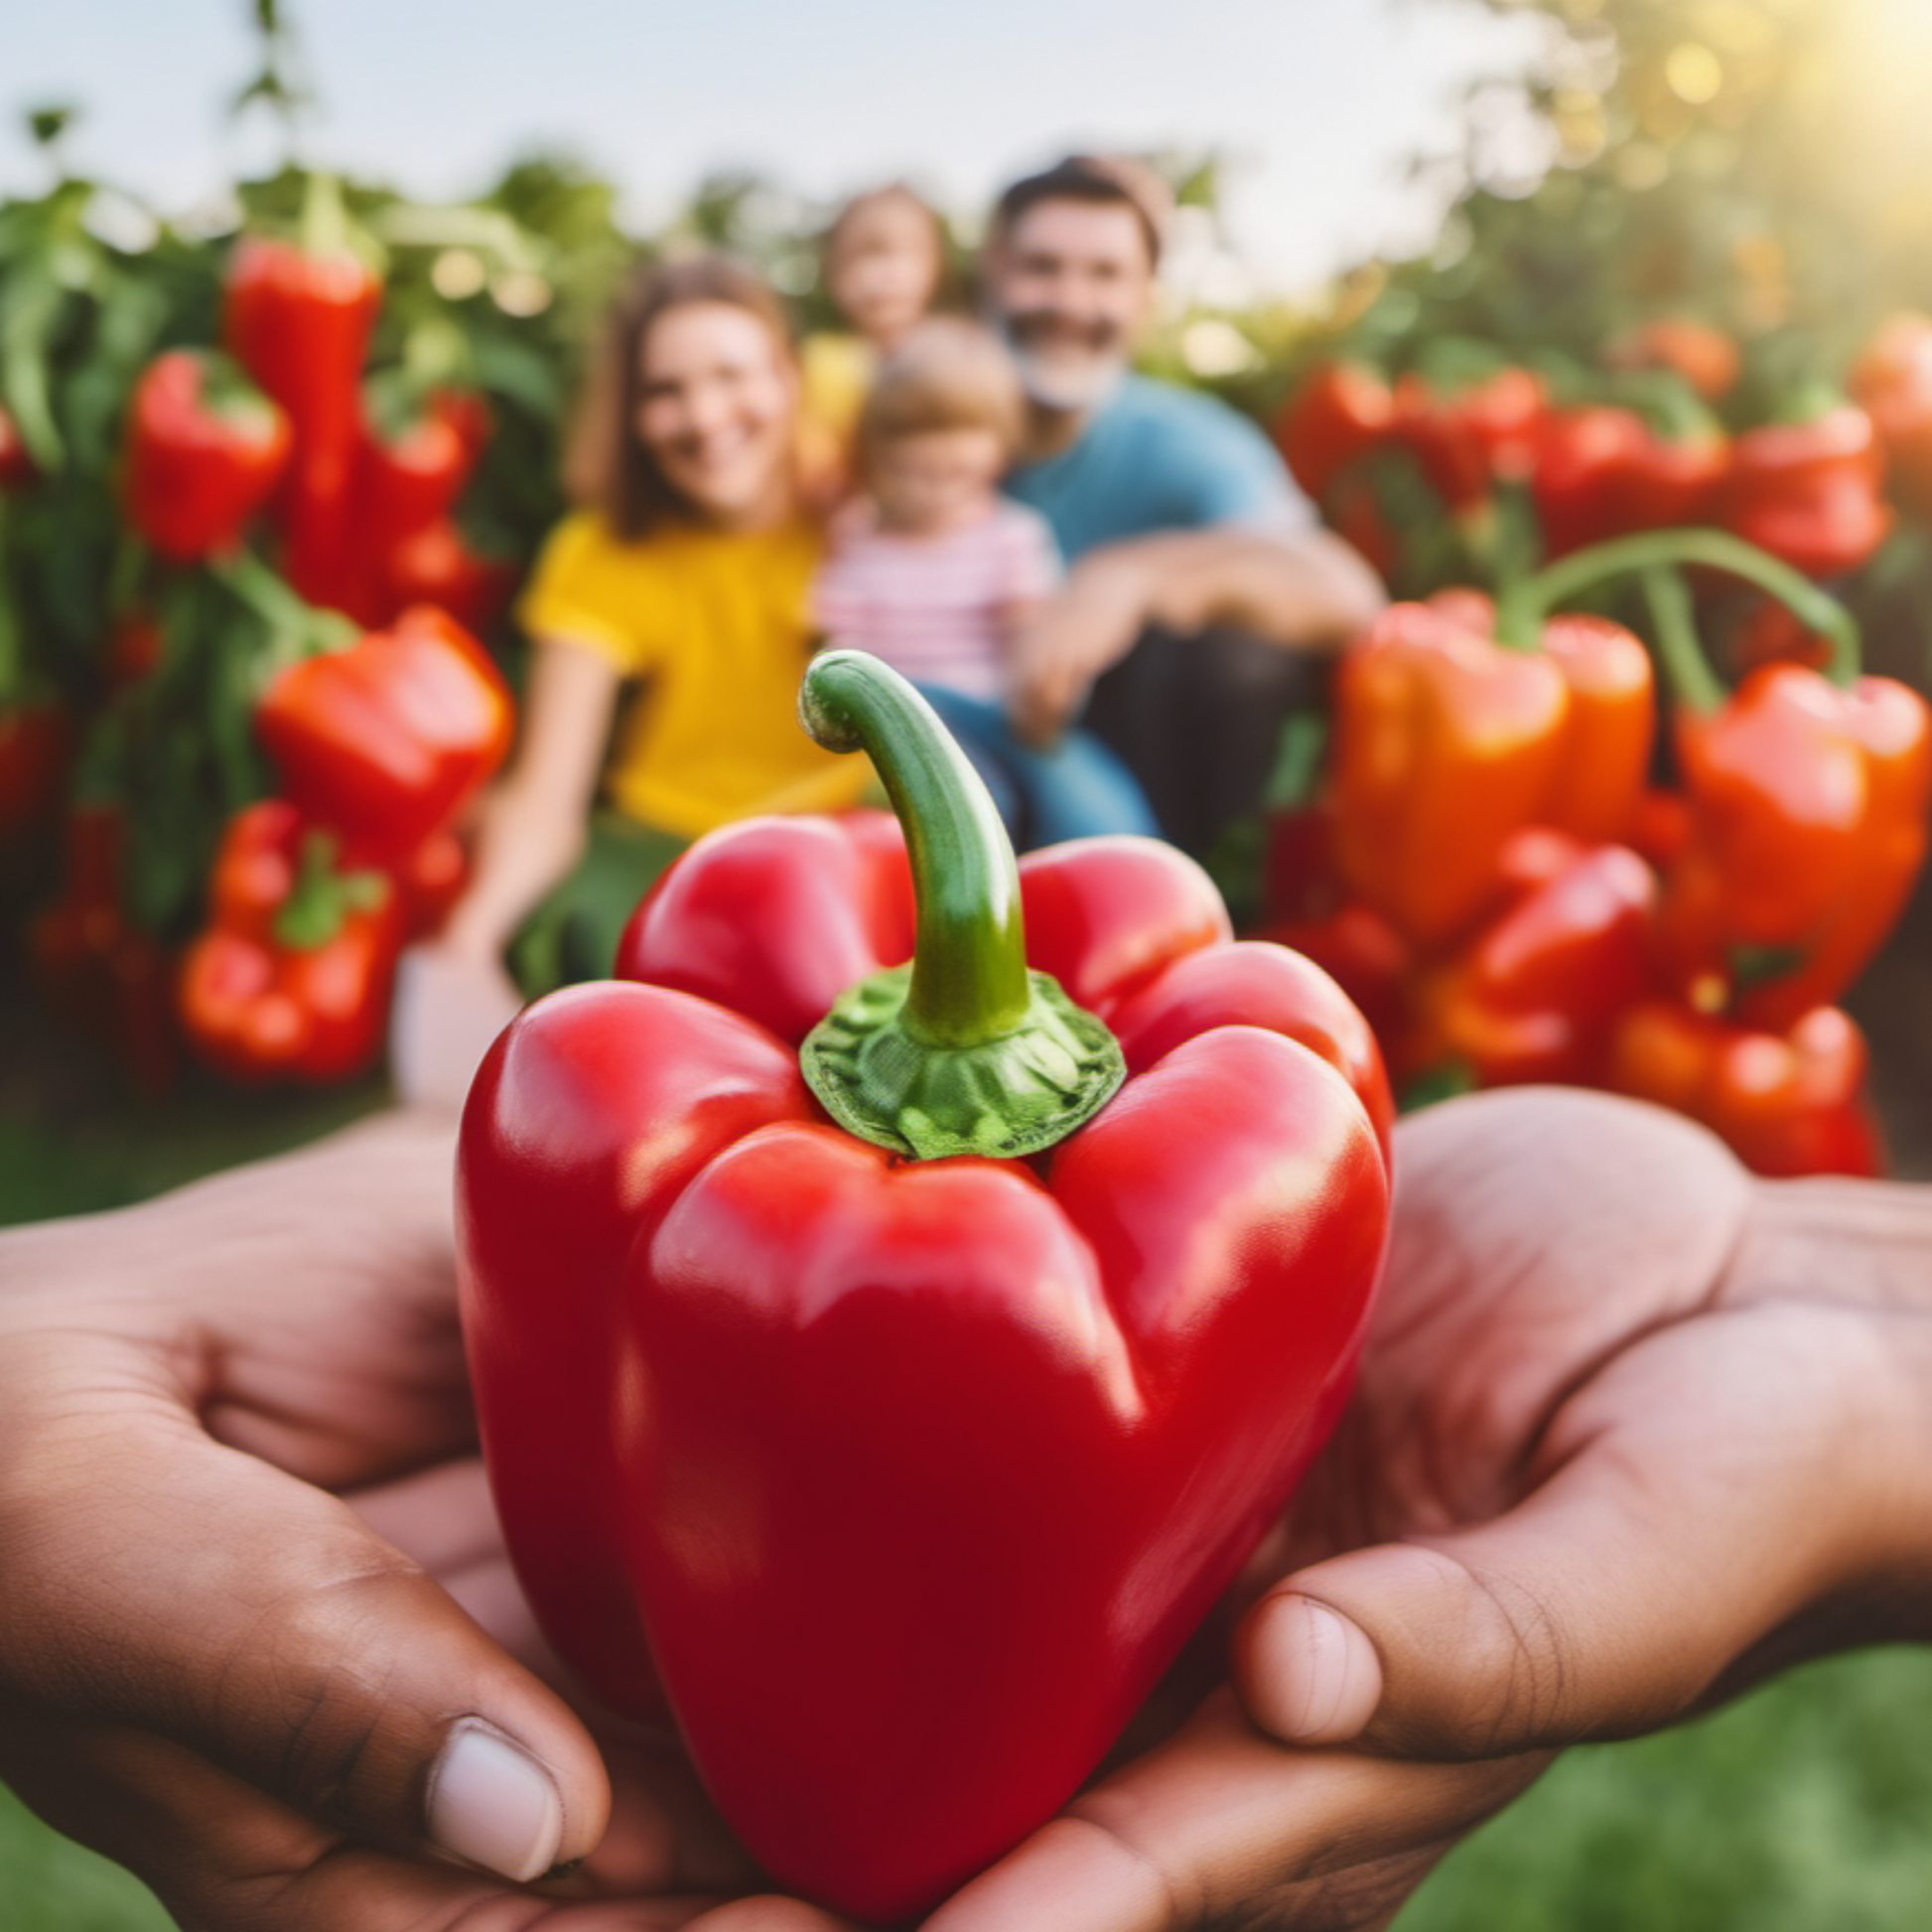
(1081, 384)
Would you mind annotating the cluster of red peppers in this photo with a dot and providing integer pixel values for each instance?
(378, 745)
(1492, 874)
(858, 1368)
(359, 481)
(1810, 487)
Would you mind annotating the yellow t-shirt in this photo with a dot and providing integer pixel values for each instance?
(715, 625)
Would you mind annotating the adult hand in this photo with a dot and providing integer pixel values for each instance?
(1067, 640)
(252, 1633)
(1635, 1430)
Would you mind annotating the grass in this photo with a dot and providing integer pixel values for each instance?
(1803, 1807)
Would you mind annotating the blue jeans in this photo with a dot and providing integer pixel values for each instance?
(1073, 790)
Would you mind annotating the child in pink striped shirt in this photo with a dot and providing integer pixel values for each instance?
(932, 570)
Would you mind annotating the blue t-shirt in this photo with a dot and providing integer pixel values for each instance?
(1156, 456)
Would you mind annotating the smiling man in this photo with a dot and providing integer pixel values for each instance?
(1201, 594)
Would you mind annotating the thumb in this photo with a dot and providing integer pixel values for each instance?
(187, 1590)
(1688, 1516)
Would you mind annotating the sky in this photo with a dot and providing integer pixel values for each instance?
(1316, 104)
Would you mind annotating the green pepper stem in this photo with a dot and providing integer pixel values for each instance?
(969, 965)
(1673, 618)
(1524, 606)
(967, 1052)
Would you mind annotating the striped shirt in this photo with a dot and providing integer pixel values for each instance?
(937, 607)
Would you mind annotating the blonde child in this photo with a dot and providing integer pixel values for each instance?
(932, 570)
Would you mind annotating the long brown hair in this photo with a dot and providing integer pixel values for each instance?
(605, 465)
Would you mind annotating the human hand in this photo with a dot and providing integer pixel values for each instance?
(256, 1633)
(1065, 640)
(1635, 1431)
(451, 1001)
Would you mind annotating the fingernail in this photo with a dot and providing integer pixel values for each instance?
(1320, 1679)
(491, 1803)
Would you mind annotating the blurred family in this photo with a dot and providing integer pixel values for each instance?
(1139, 679)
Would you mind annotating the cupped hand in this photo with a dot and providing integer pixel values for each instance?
(259, 1639)
(1634, 1430)
(1087, 625)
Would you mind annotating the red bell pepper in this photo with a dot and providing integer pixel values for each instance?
(1811, 492)
(387, 739)
(1336, 414)
(291, 978)
(1807, 806)
(1605, 471)
(408, 479)
(1892, 381)
(1531, 997)
(204, 449)
(1013, 1364)
(1470, 438)
(1786, 1104)
(437, 566)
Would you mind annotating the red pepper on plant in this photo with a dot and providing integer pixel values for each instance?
(1785, 1103)
(1892, 381)
(1605, 471)
(291, 978)
(204, 449)
(1810, 491)
(1337, 413)
(437, 566)
(1702, 354)
(387, 740)
(1469, 437)
(1043, 1304)
(1530, 999)
(410, 476)
(1805, 797)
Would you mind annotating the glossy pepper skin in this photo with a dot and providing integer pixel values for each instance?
(291, 978)
(299, 321)
(1892, 381)
(1531, 998)
(1337, 414)
(821, 1415)
(1785, 1103)
(1810, 492)
(386, 740)
(1444, 745)
(1603, 471)
(1806, 806)
(204, 449)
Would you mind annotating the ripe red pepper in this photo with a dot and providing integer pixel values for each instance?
(1445, 744)
(409, 480)
(1811, 492)
(1892, 381)
(1531, 997)
(437, 566)
(291, 978)
(1605, 472)
(978, 1373)
(1807, 805)
(1786, 1104)
(1470, 438)
(204, 449)
(386, 741)
(1705, 356)
(1337, 413)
